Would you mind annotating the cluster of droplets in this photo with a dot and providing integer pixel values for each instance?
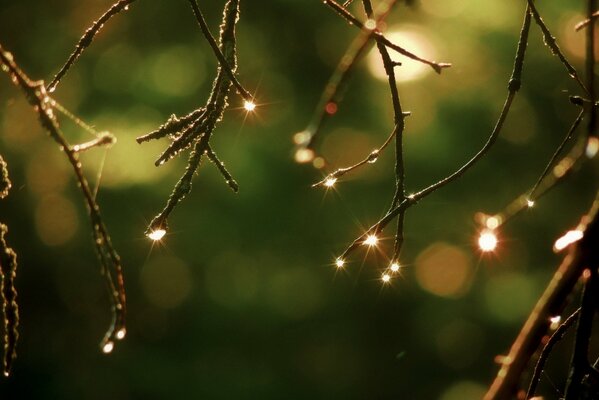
(372, 240)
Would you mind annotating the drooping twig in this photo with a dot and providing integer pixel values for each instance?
(196, 129)
(42, 103)
(87, 38)
(399, 207)
(379, 37)
(340, 75)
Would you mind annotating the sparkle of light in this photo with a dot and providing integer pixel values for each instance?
(371, 240)
(394, 267)
(386, 278)
(330, 181)
(567, 239)
(108, 347)
(339, 263)
(530, 203)
(487, 241)
(157, 234)
(249, 105)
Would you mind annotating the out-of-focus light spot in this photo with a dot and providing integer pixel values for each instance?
(444, 270)
(371, 240)
(56, 220)
(301, 138)
(166, 281)
(304, 155)
(394, 267)
(330, 181)
(562, 167)
(412, 40)
(492, 222)
(331, 108)
(386, 278)
(592, 147)
(249, 105)
(370, 24)
(487, 240)
(339, 263)
(555, 321)
(108, 347)
(157, 234)
(530, 203)
(567, 239)
(120, 335)
(318, 163)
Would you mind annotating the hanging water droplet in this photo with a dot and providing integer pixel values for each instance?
(372, 157)
(108, 347)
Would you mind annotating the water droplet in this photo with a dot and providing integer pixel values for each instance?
(157, 234)
(120, 335)
(372, 157)
(108, 347)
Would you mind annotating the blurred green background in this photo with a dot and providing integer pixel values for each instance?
(241, 299)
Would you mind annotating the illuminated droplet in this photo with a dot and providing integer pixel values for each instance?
(330, 181)
(592, 146)
(120, 335)
(487, 241)
(108, 347)
(555, 321)
(304, 155)
(157, 234)
(567, 239)
(386, 278)
(339, 262)
(492, 222)
(6, 373)
(249, 105)
(371, 240)
(372, 157)
(530, 203)
(394, 267)
(370, 24)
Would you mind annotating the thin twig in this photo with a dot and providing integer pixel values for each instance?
(553, 340)
(217, 52)
(87, 38)
(552, 43)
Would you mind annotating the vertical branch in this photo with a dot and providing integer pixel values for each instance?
(8, 290)
(399, 120)
(579, 366)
